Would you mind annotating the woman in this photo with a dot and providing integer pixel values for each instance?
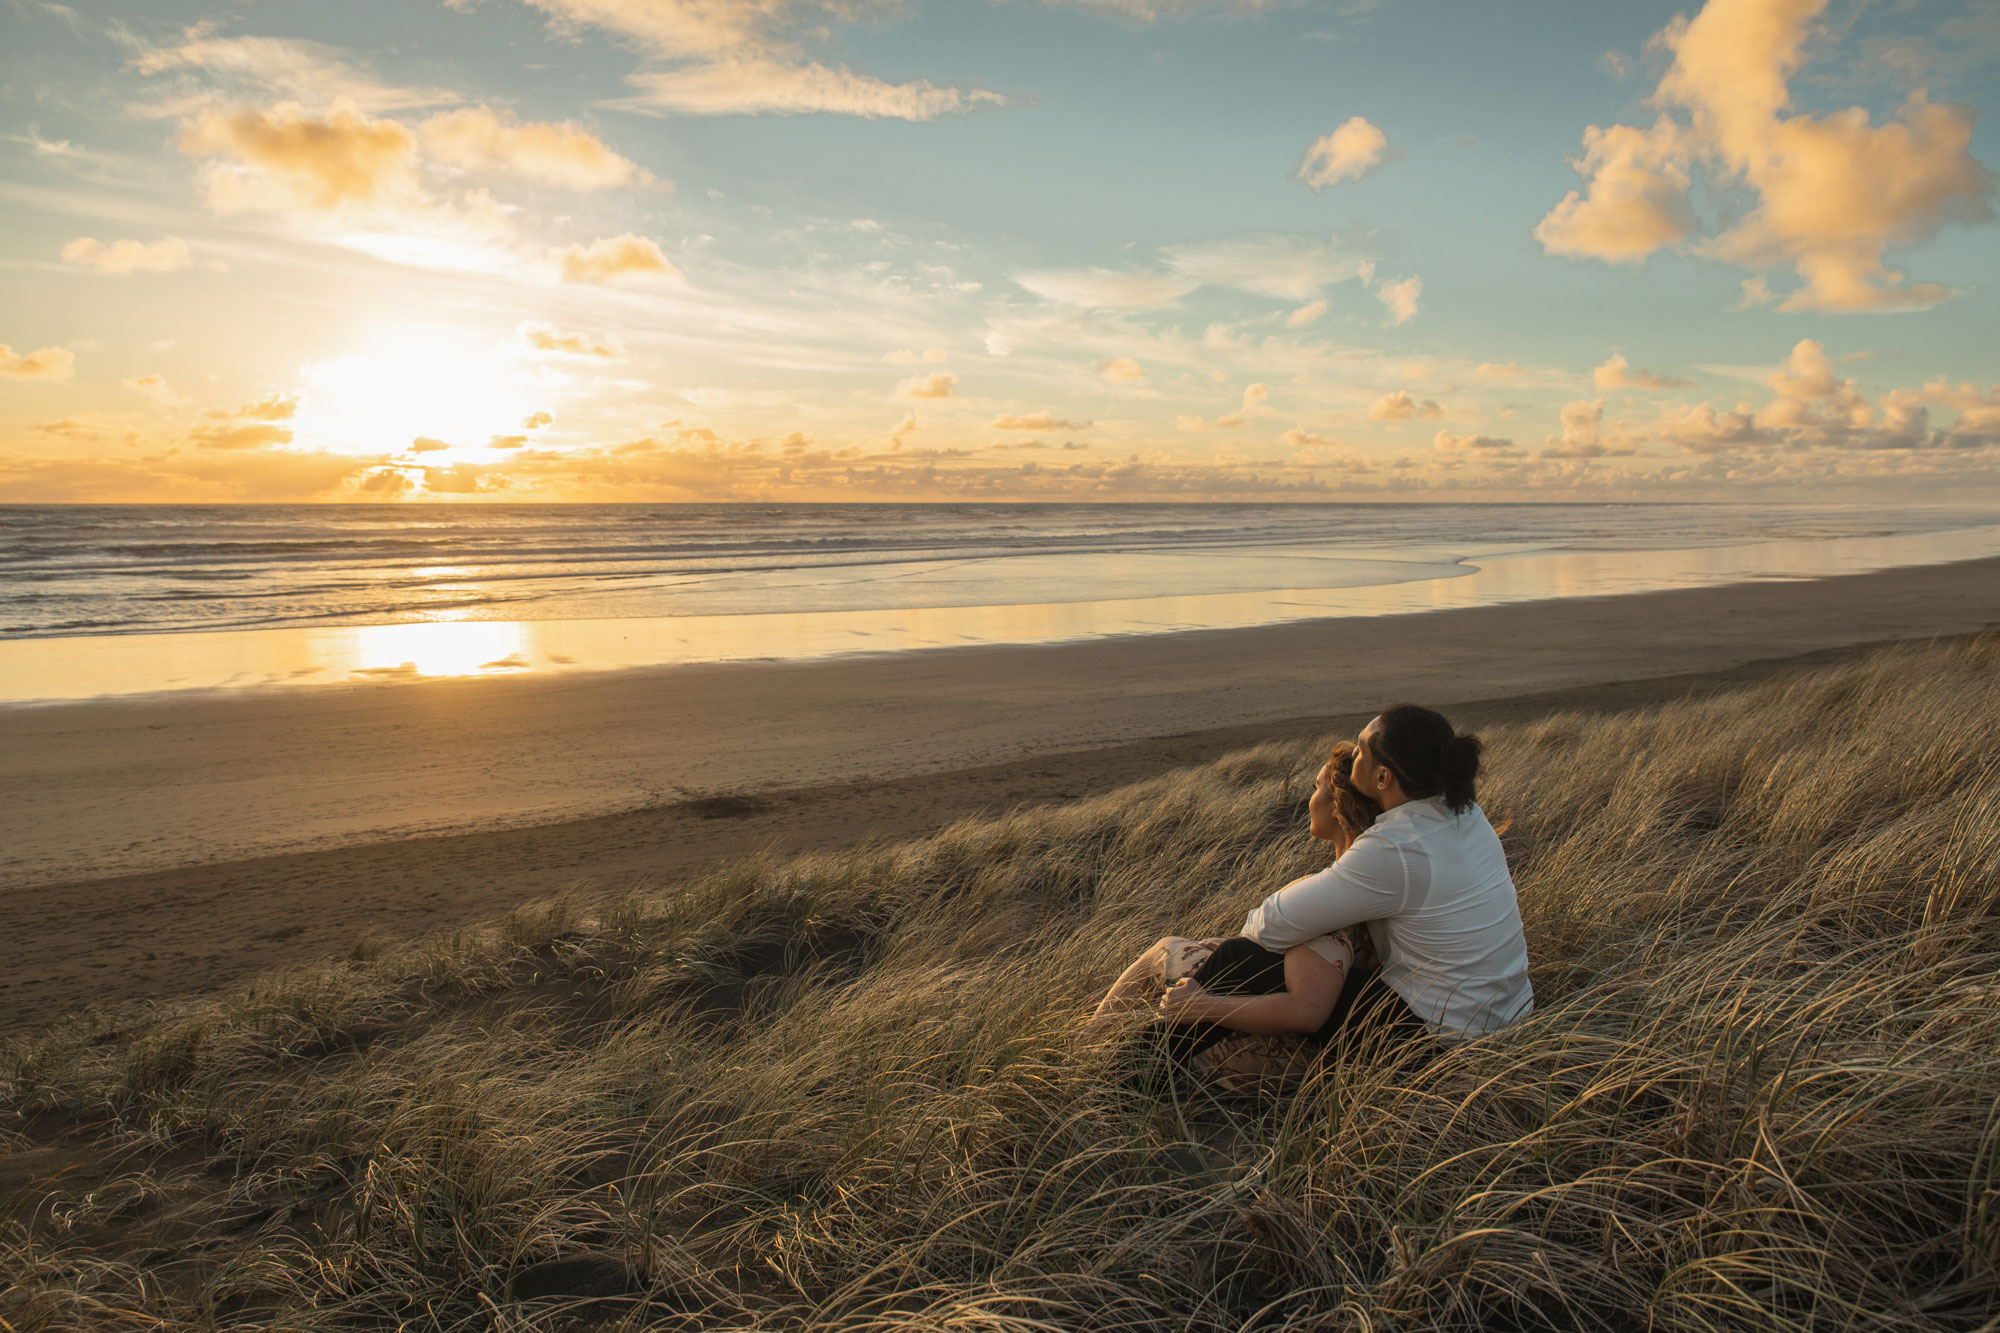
(1429, 878)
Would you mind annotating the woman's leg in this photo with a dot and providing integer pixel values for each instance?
(1167, 960)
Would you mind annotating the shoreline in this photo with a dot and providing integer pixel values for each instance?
(162, 848)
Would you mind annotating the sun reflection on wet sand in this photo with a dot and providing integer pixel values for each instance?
(54, 669)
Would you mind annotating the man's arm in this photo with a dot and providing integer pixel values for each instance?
(1311, 986)
(1367, 884)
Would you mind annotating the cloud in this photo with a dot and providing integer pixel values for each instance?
(155, 388)
(169, 254)
(1399, 406)
(1447, 443)
(909, 357)
(1253, 402)
(553, 153)
(285, 156)
(507, 442)
(552, 341)
(1617, 373)
(942, 385)
(1290, 268)
(1701, 429)
(752, 85)
(300, 71)
(1830, 194)
(743, 57)
(1637, 199)
(537, 421)
(1305, 314)
(425, 444)
(1121, 370)
(50, 363)
(1106, 289)
(611, 258)
(1582, 433)
(1348, 153)
(1399, 298)
(1499, 370)
(252, 426)
(1035, 421)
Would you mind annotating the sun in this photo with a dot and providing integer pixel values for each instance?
(441, 392)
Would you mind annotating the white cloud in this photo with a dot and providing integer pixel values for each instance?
(1106, 289)
(910, 357)
(300, 71)
(169, 254)
(1347, 153)
(1399, 298)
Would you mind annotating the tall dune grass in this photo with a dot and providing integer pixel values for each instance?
(1760, 1090)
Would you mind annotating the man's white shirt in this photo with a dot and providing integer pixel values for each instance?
(1434, 888)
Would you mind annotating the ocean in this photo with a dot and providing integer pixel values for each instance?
(144, 569)
(117, 600)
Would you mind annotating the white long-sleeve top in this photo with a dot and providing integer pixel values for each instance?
(1434, 889)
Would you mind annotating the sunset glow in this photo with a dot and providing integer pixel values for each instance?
(660, 251)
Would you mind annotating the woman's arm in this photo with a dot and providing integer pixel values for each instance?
(1311, 986)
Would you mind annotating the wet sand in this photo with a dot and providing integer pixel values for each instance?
(160, 846)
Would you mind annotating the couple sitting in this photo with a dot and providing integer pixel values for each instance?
(1412, 930)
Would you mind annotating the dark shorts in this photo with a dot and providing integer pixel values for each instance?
(1366, 1010)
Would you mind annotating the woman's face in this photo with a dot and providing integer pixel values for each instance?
(1322, 823)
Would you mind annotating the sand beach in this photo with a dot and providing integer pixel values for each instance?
(182, 843)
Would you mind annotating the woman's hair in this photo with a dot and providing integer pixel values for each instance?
(1353, 809)
(1426, 755)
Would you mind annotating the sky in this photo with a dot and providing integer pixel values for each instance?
(803, 250)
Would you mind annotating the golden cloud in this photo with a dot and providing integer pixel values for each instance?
(1499, 370)
(1617, 373)
(942, 385)
(1400, 406)
(169, 254)
(1446, 442)
(1121, 370)
(538, 420)
(1831, 193)
(1582, 433)
(49, 363)
(1348, 153)
(749, 85)
(286, 156)
(614, 257)
(553, 153)
(1305, 314)
(1035, 421)
(553, 341)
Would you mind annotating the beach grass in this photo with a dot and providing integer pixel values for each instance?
(1760, 1089)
